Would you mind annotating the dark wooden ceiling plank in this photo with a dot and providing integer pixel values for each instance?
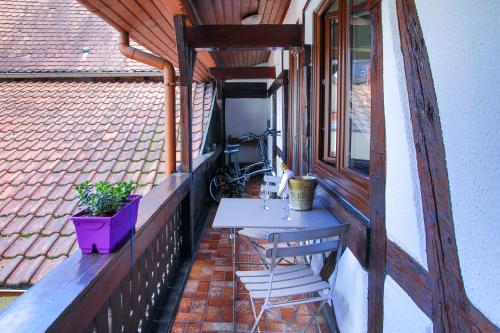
(244, 37)
(134, 14)
(231, 73)
(141, 35)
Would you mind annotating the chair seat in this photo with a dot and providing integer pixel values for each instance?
(297, 282)
(280, 274)
(292, 291)
(287, 281)
(258, 233)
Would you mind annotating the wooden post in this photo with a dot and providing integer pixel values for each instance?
(377, 245)
(186, 64)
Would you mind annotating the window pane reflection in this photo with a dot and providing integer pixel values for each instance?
(357, 136)
(334, 66)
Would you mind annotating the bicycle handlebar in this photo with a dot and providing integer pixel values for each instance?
(249, 136)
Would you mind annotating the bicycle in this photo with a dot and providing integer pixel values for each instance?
(230, 182)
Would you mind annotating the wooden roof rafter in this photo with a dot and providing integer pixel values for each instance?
(244, 37)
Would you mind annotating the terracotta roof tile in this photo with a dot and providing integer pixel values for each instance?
(48, 153)
(23, 272)
(62, 246)
(46, 266)
(19, 246)
(7, 266)
(49, 36)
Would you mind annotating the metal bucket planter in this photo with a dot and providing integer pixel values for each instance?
(301, 190)
(106, 233)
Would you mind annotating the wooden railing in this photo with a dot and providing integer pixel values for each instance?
(116, 292)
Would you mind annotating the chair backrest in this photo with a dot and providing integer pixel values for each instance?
(309, 242)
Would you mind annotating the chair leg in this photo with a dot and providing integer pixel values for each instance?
(257, 320)
(316, 322)
(253, 310)
(314, 315)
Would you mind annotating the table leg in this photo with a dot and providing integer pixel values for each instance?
(235, 285)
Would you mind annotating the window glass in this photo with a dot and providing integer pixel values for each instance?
(358, 115)
(333, 104)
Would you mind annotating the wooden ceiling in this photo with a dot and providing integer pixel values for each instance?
(232, 12)
(150, 23)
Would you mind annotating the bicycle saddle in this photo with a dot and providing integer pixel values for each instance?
(231, 151)
(232, 145)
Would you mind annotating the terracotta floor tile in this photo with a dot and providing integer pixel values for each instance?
(194, 327)
(213, 313)
(199, 306)
(182, 316)
(178, 327)
(203, 286)
(185, 305)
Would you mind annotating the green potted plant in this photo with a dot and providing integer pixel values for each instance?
(109, 215)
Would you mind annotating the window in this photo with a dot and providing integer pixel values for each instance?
(344, 69)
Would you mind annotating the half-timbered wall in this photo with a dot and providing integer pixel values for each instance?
(463, 45)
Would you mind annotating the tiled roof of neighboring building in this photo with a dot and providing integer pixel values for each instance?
(42, 36)
(55, 134)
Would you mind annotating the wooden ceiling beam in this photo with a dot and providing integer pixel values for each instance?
(244, 90)
(244, 37)
(231, 73)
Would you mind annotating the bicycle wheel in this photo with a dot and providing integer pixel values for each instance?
(219, 187)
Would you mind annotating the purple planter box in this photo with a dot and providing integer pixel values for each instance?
(106, 233)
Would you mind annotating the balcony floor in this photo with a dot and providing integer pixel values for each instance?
(206, 304)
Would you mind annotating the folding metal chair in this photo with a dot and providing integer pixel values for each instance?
(252, 236)
(293, 285)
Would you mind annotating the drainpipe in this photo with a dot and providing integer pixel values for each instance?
(169, 80)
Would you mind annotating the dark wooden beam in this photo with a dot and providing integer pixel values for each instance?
(378, 236)
(244, 90)
(186, 65)
(415, 281)
(281, 80)
(232, 73)
(244, 37)
(218, 84)
(358, 233)
(450, 304)
(410, 276)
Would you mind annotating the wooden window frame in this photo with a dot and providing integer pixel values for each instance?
(347, 183)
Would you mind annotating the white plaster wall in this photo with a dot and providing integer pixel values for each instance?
(246, 115)
(401, 314)
(463, 43)
(294, 12)
(351, 295)
(308, 21)
(404, 221)
(279, 117)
